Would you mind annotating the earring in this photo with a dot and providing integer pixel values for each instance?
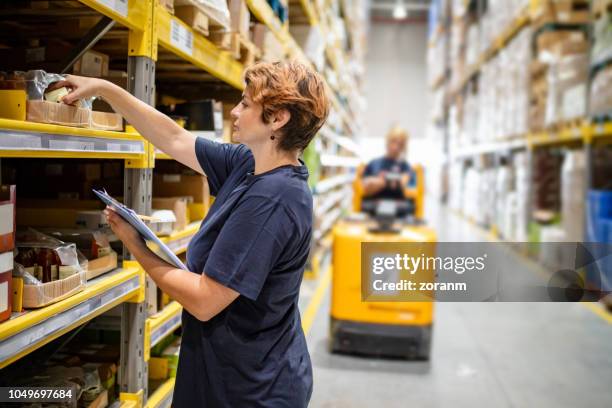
(272, 137)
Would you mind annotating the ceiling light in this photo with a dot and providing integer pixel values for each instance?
(399, 11)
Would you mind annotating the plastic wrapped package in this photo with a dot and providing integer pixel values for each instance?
(52, 270)
(573, 191)
(42, 104)
(567, 80)
(602, 36)
(216, 10)
(601, 92)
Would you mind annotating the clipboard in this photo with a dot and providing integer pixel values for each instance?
(153, 242)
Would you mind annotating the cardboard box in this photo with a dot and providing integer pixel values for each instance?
(6, 285)
(258, 35)
(174, 185)
(106, 121)
(178, 205)
(91, 219)
(193, 17)
(99, 266)
(93, 64)
(57, 114)
(240, 17)
(7, 218)
(35, 296)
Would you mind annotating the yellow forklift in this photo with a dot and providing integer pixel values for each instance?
(396, 329)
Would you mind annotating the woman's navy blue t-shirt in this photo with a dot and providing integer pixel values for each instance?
(255, 240)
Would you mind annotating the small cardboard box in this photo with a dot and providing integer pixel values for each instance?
(174, 185)
(7, 218)
(57, 114)
(193, 17)
(93, 64)
(178, 205)
(98, 266)
(258, 35)
(6, 285)
(106, 121)
(239, 17)
(35, 296)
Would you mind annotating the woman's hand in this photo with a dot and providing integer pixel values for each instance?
(122, 229)
(81, 87)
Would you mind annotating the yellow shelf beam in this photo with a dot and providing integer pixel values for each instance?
(24, 126)
(176, 36)
(131, 13)
(161, 397)
(161, 324)
(310, 11)
(25, 333)
(179, 240)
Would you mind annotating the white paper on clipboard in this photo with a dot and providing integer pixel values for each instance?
(153, 242)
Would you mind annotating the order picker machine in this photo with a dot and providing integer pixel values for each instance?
(387, 329)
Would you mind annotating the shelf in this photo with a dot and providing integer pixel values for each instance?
(177, 37)
(602, 130)
(162, 397)
(521, 21)
(340, 140)
(334, 199)
(178, 241)
(28, 331)
(164, 322)
(492, 147)
(329, 184)
(310, 12)
(29, 140)
(327, 223)
(331, 160)
(263, 12)
(132, 14)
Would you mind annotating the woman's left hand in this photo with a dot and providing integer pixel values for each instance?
(122, 229)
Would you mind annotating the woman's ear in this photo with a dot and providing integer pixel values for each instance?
(280, 119)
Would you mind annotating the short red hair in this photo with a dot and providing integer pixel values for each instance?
(295, 87)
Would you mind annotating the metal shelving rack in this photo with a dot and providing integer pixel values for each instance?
(150, 26)
(585, 134)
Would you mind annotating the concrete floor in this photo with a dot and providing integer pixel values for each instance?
(484, 354)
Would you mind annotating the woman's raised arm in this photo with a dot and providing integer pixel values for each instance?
(153, 125)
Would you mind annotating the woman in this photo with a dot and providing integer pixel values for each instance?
(243, 344)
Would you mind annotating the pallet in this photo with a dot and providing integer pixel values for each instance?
(602, 8)
(215, 18)
(566, 124)
(228, 41)
(570, 12)
(249, 53)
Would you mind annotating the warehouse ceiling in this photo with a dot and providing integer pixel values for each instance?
(399, 10)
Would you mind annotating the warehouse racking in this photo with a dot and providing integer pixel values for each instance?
(154, 45)
(452, 84)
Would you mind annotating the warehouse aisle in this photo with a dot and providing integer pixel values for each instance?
(508, 354)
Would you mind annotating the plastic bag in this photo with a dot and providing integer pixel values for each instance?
(35, 82)
(52, 270)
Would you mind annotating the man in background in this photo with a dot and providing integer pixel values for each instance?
(386, 177)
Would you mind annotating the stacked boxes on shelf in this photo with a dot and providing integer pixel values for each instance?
(7, 244)
(601, 56)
